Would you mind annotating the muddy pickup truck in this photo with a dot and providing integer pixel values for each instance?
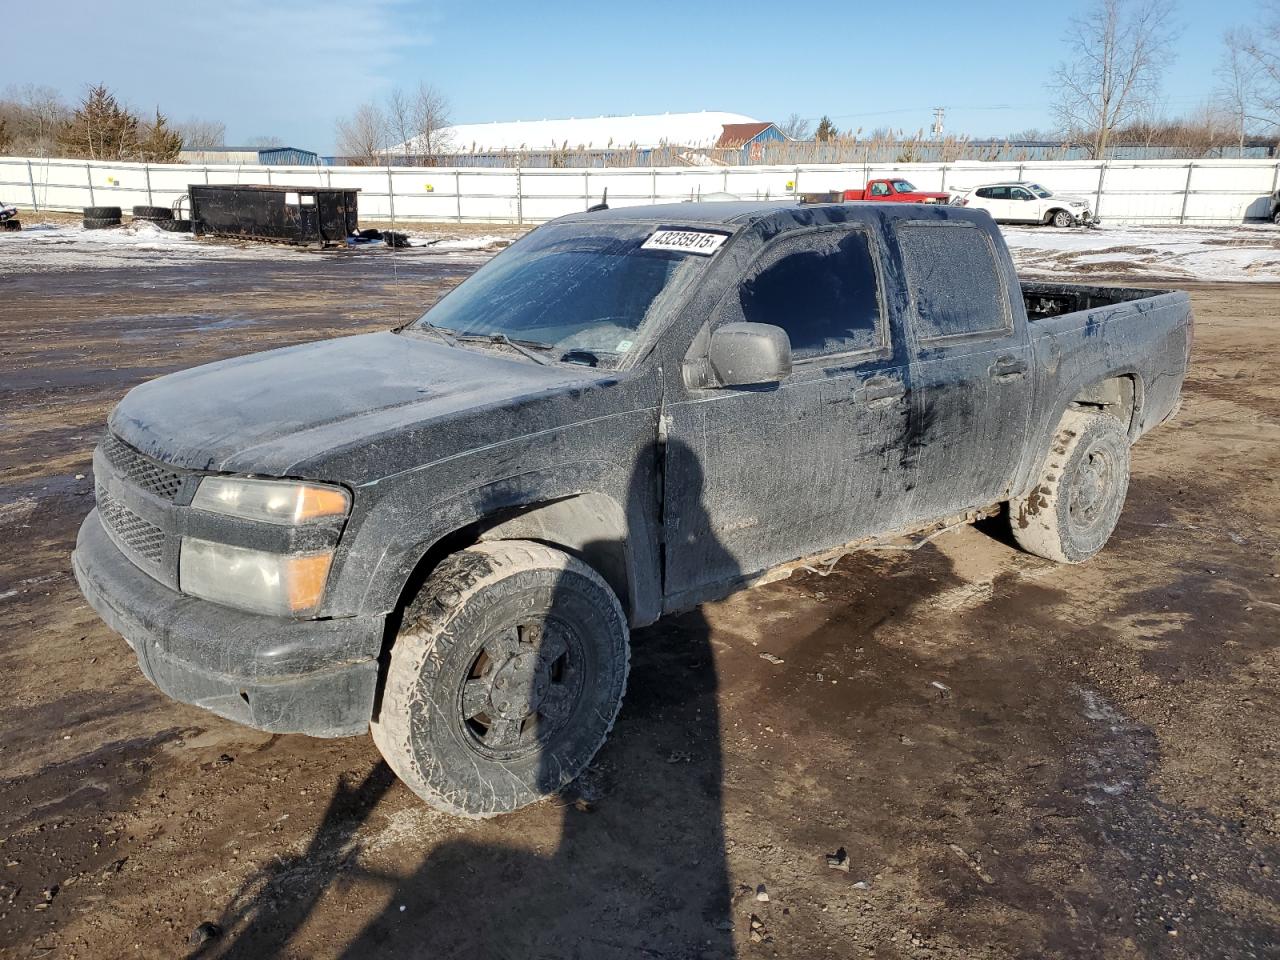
(444, 533)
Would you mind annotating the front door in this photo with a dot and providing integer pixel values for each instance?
(1023, 206)
(758, 477)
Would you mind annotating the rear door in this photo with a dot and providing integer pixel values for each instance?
(759, 476)
(996, 202)
(971, 366)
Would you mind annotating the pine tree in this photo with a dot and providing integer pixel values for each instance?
(160, 143)
(826, 129)
(100, 128)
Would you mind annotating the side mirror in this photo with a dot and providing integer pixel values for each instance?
(749, 354)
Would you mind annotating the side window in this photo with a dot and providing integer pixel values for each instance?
(984, 192)
(955, 282)
(879, 189)
(999, 193)
(821, 286)
(1020, 194)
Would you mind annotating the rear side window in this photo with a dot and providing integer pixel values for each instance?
(954, 280)
(821, 286)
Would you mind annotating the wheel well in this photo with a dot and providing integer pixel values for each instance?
(1115, 396)
(590, 526)
(1052, 211)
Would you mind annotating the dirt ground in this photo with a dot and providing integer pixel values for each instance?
(1016, 759)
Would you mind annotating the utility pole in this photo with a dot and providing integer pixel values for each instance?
(939, 117)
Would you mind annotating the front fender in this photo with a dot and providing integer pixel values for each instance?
(406, 524)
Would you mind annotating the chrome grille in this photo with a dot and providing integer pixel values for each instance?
(153, 477)
(144, 539)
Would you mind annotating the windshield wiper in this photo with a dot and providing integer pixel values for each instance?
(503, 339)
(580, 356)
(441, 332)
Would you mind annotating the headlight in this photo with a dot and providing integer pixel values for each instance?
(274, 501)
(279, 584)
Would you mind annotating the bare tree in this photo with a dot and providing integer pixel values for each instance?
(362, 137)
(431, 122)
(401, 124)
(1237, 89)
(796, 127)
(1259, 51)
(202, 134)
(265, 142)
(33, 115)
(1116, 54)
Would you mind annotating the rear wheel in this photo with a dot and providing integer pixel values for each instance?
(1071, 511)
(505, 679)
(1061, 218)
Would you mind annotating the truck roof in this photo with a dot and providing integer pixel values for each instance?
(786, 212)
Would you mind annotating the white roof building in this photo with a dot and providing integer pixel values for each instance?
(654, 130)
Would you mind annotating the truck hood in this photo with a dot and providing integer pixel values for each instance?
(284, 412)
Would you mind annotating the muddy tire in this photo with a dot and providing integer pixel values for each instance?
(10, 225)
(152, 213)
(1071, 511)
(100, 223)
(174, 226)
(101, 213)
(1061, 218)
(504, 680)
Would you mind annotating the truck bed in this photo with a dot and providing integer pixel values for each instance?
(1082, 335)
(1044, 300)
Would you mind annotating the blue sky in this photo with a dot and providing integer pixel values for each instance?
(290, 68)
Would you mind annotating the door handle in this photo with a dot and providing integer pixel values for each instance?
(1008, 368)
(880, 388)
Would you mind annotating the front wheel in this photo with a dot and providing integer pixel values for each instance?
(1061, 218)
(505, 679)
(1069, 514)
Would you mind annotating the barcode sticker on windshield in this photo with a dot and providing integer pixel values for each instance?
(685, 241)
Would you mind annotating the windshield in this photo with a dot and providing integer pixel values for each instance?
(578, 292)
(1039, 191)
(903, 186)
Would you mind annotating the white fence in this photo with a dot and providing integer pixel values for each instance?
(1140, 191)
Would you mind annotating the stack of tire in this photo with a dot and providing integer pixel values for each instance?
(161, 217)
(101, 218)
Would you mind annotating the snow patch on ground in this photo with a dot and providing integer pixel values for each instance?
(53, 247)
(1242, 253)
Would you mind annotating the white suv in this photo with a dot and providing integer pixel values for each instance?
(1024, 202)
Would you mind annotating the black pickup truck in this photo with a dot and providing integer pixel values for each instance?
(444, 532)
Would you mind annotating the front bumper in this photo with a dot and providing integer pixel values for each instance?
(284, 676)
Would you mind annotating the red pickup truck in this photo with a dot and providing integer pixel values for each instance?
(899, 191)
